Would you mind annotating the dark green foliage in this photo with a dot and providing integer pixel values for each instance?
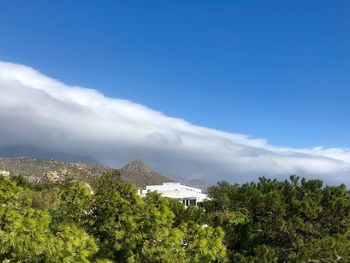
(27, 235)
(290, 221)
(267, 221)
(71, 222)
(131, 229)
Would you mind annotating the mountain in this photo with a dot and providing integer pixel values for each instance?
(13, 151)
(36, 170)
(140, 174)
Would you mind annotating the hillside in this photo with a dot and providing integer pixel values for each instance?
(36, 170)
(15, 151)
(139, 173)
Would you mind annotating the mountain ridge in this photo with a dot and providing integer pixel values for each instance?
(38, 170)
(20, 150)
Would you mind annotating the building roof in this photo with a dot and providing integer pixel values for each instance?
(176, 191)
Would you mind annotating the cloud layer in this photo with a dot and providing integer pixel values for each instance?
(38, 110)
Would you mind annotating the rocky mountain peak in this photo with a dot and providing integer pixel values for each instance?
(36, 170)
(136, 166)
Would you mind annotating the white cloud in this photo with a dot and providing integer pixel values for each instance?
(38, 110)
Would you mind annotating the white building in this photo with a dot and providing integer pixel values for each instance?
(4, 173)
(185, 194)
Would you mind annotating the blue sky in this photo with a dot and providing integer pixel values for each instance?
(277, 70)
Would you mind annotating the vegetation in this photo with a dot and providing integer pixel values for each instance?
(107, 221)
(290, 221)
(47, 170)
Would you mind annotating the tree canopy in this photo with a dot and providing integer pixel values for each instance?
(296, 220)
(105, 222)
(290, 221)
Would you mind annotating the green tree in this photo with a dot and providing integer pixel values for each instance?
(117, 216)
(75, 204)
(26, 234)
(290, 221)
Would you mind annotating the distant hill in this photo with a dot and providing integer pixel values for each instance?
(14, 151)
(139, 173)
(36, 170)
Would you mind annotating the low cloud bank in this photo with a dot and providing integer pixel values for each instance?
(38, 110)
